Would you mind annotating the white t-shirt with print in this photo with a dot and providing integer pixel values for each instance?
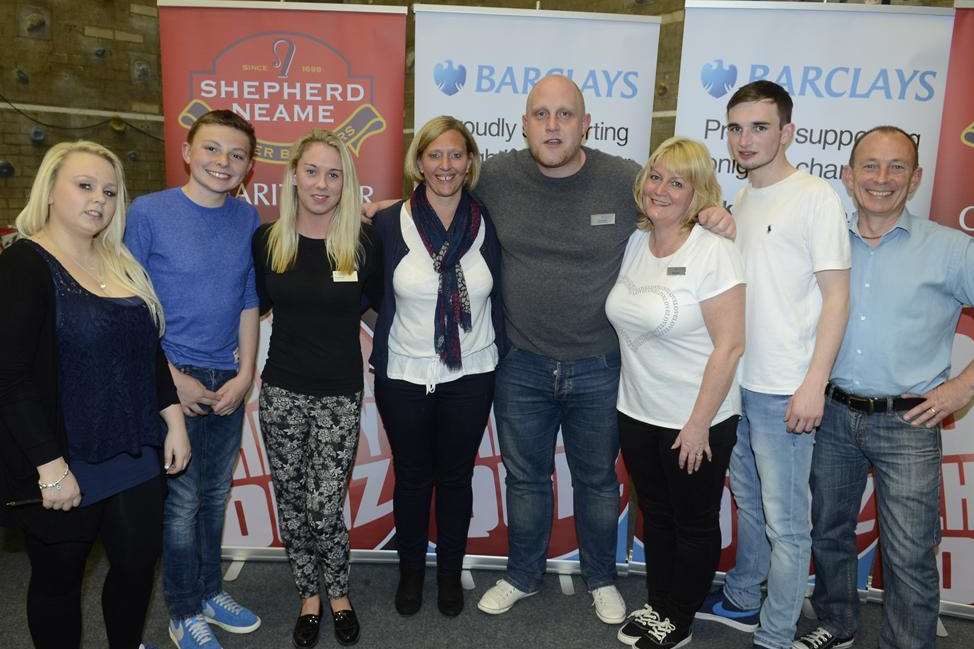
(655, 309)
(786, 233)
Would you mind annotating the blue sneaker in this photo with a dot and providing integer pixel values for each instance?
(227, 614)
(192, 633)
(717, 608)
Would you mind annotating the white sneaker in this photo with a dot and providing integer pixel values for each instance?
(609, 605)
(500, 597)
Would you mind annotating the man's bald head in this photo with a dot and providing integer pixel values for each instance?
(557, 83)
(555, 124)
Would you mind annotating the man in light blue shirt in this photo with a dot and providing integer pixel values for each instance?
(888, 393)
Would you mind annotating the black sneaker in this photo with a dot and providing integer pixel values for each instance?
(821, 638)
(636, 624)
(664, 635)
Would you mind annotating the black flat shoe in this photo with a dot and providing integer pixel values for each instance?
(449, 596)
(306, 630)
(346, 626)
(409, 594)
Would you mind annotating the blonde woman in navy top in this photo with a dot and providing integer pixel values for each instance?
(83, 382)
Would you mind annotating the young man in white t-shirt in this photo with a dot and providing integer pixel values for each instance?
(792, 233)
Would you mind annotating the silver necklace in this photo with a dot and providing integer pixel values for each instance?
(102, 284)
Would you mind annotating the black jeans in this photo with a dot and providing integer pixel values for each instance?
(681, 513)
(129, 525)
(434, 439)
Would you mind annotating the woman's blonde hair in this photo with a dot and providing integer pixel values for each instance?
(114, 256)
(432, 130)
(342, 245)
(690, 160)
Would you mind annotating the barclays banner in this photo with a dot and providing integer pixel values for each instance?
(847, 67)
(480, 64)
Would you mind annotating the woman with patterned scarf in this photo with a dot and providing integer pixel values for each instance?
(438, 338)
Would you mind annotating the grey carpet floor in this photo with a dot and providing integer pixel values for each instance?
(550, 619)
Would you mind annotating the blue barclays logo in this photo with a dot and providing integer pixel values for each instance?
(717, 79)
(449, 78)
(891, 84)
(516, 80)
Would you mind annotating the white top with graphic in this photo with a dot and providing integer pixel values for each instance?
(786, 232)
(655, 309)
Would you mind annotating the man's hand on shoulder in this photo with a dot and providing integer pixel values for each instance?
(369, 209)
(719, 221)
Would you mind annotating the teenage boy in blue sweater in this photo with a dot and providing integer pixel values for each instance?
(194, 241)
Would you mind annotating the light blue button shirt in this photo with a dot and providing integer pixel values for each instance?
(905, 297)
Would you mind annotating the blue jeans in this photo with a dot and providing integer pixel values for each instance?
(769, 471)
(534, 396)
(196, 504)
(906, 466)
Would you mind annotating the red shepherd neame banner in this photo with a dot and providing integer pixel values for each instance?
(287, 68)
(953, 206)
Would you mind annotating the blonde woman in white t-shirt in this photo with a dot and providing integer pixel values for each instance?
(678, 308)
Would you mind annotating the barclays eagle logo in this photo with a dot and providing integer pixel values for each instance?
(717, 79)
(449, 78)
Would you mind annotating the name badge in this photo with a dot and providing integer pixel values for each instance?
(337, 276)
(603, 219)
(676, 270)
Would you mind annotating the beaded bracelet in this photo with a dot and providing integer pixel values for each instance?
(57, 483)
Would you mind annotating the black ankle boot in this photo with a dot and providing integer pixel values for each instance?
(409, 595)
(449, 596)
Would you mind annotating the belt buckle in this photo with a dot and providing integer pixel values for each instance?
(869, 405)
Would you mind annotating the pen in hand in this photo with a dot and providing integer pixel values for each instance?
(22, 503)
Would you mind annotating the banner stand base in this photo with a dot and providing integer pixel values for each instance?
(239, 555)
(233, 571)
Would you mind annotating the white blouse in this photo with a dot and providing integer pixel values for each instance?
(412, 357)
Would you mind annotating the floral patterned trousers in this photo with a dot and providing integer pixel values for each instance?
(311, 443)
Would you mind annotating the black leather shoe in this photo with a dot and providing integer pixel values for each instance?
(449, 596)
(346, 626)
(409, 594)
(306, 630)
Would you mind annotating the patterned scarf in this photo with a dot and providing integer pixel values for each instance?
(446, 247)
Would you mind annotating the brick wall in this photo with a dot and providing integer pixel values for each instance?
(103, 56)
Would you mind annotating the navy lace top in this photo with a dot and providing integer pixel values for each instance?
(107, 380)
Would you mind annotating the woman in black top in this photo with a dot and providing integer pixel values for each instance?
(83, 382)
(313, 266)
